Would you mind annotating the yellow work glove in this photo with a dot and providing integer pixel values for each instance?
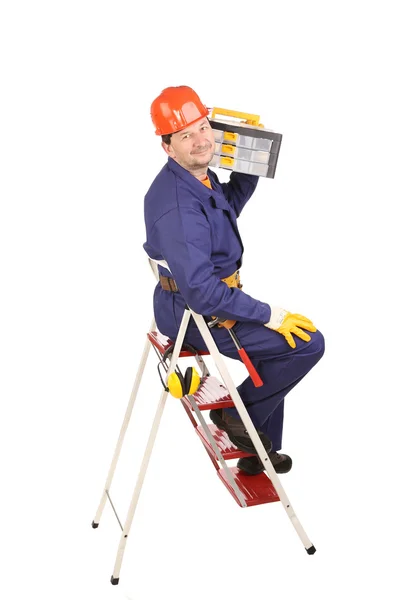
(288, 323)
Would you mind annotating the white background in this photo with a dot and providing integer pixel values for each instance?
(332, 236)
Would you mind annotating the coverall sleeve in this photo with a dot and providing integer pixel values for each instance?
(185, 240)
(239, 190)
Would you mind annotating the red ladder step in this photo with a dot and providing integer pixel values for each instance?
(256, 489)
(226, 447)
(210, 395)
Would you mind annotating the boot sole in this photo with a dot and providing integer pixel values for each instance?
(261, 469)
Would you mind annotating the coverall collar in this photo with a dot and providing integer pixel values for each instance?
(197, 186)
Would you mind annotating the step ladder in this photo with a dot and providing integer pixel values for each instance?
(247, 490)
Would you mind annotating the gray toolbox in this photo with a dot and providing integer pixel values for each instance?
(244, 146)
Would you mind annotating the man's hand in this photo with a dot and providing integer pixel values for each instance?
(288, 323)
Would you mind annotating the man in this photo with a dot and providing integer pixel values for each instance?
(191, 222)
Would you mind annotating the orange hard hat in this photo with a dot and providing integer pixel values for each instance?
(176, 108)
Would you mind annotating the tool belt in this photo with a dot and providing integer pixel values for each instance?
(169, 285)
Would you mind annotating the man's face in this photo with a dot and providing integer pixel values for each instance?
(192, 147)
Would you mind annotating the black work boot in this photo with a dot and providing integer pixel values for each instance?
(235, 429)
(252, 465)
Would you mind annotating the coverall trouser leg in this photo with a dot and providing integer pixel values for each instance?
(279, 366)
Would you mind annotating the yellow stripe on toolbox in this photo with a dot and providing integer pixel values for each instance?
(226, 161)
(230, 137)
(228, 149)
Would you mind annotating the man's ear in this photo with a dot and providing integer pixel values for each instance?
(168, 149)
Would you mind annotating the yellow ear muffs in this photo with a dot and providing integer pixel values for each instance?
(179, 386)
(187, 380)
(195, 381)
(191, 381)
(175, 384)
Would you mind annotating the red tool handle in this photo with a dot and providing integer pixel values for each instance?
(251, 370)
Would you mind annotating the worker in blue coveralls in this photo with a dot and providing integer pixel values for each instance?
(191, 223)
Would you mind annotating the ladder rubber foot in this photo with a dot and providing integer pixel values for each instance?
(311, 550)
(94, 525)
(114, 580)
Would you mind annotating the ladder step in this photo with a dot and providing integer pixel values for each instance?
(210, 395)
(256, 489)
(162, 343)
(226, 447)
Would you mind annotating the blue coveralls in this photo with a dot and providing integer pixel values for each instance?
(194, 229)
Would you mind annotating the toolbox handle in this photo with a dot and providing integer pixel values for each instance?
(249, 118)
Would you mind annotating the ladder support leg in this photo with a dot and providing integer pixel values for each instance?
(137, 490)
(147, 454)
(124, 427)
